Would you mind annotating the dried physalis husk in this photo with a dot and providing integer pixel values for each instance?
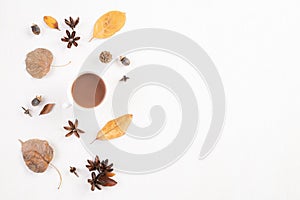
(115, 128)
(37, 155)
(47, 108)
(51, 22)
(108, 24)
(38, 62)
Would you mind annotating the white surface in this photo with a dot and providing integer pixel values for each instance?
(255, 46)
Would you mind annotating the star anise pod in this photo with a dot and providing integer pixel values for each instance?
(71, 23)
(105, 168)
(71, 39)
(100, 180)
(104, 173)
(73, 129)
(94, 182)
(94, 165)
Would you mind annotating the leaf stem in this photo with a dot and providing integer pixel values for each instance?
(62, 65)
(60, 177)
(91, 39)
(93, 141)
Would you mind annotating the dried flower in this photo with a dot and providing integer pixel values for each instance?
(125, 61)
(47, 108)
(71, 23)
(27, 111)
(73, 170)
(35, 29)
(71, 39)
(73, 129)
(94, 165)
(105, 57)
(105, 168)
(124, 78)
(104, 171)
(94, 182)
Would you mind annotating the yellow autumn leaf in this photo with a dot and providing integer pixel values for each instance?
(51, 22)
(108, 24)
(114, 128)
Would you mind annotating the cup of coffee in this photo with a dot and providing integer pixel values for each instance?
(88, 90)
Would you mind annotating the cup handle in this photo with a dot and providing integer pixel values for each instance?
(66, 105)
(69, 99)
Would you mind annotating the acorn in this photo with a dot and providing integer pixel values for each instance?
(36, 101)
(35, 29)
(125, 61)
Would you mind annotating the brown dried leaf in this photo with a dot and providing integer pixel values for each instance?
(38, 62)
(51, 22)
(47, 108)
(37, 155)
(114, 128)
(108, 24)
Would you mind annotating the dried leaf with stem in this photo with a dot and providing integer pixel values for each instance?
(51, 22)
(38, 155)
(114, 128)
(39, 61)
(108, 24)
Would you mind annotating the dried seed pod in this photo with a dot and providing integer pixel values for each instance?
(47, 108)
(114, 128)
(105, 57)
(38, 62)
(37, 155)
(35, 29)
